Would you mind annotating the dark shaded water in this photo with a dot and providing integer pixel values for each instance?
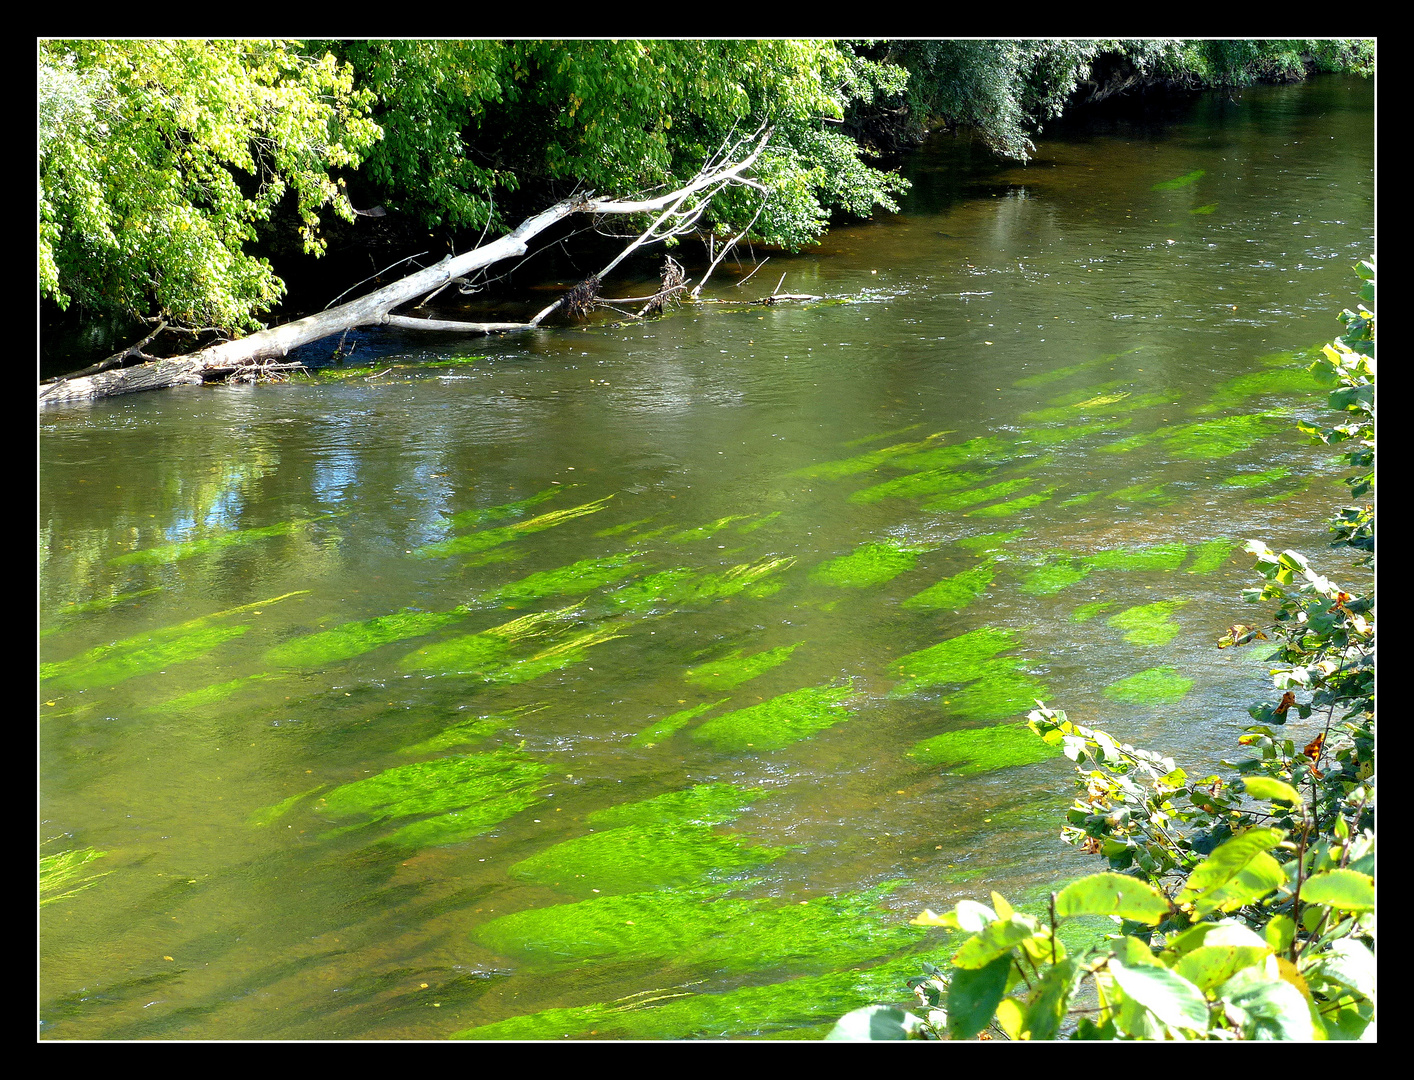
(655, 676)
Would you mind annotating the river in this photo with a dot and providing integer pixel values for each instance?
(643, 681)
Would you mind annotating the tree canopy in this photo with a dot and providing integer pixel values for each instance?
(159, 158)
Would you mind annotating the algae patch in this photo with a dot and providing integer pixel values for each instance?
(977, 750)
(64, 875)
(734, 669)
(870, 564)
(955, 592)
(779, 722)
(1156, 686)
(656, 733)
(1148, 624)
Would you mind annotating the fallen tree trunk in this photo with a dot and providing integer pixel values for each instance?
(677, 211)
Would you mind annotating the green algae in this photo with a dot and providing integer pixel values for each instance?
(143, 654)
(834, 470)
(616, 530)
(979, 448)
(489, 538)
(637, 857)
(964, 499)
(918, 485)
(734, 668)
(765, 519)
(561, 655)
(989, 541)
(1006, 509)
(778, 1009)
(1204, 209)
(1081, 500)
(1047, 377)
(778, 722)
(1235, 391)
(1002, 690)
(90, 607)
(1156, 686)
(702, 804)
(702, 929)
(1148, 624)
(956, 592)
(656, 733)
(470, 519)
(1179, 181)
(703, 532)
(578, 577)
(487, 648)
(977, 750)
(1156, 557)
(352, 639)
(1086, 612)
(1141, 492)
(959, 659)
(469, 732)
(66, 871)
(1054, 575)
(882, 435)
(1249, 480)
(469, 793)
(210, 695)
(494, 555)
(1109, 404)
(685, 586)
(170, 553)
(869, 564)
(1207, 439)
(268, 815)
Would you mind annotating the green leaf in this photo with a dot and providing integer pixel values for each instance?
(973, 996)
(1348, 890)
(999, 938)
(1166, 994)
(1211, 965)
(876, 1023)
(1112, 894)
(1270, 788)
(1262, 875)
(1279, 933)
(1271, 1007)
(1051, 999)
(1349, 964)
(1228, 858)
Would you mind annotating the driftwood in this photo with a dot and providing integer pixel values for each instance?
(676, 213)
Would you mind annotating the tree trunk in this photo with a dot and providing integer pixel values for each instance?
(683, 207)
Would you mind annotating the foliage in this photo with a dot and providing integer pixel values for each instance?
(158, 158)
(1244, 904)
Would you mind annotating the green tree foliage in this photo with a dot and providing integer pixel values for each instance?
(1245, 904)
(158, 159)
(468, 121)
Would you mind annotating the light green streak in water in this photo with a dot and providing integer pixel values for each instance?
(483, 650)
(469, 732)
(170, 553)
(777, 1009)
(989, 541)
(764, 520)
(210, 695)
(469, 793)
(956, 592)
(1148, 624)
(958, 659)
(701, 929)
(704, 804)
(734, 669)
(356, 638)
(1249, 480)
(979, 750)
(977, 449)
(1054, 575)
(964, 499)
(62, 871)
(1210, 555)
(1006, 509)
(1047, 377)
(1157, 686)
(489, 538)
(1179, 181)
(1204, 209)
(869, 564)
(270, 814)
(1140, 493)
(1157, 557)
(574, 650)
(470, 519)
(580, 577)
(883, 435)
(1208, 439)
(1085, 612)
(779, 722)
(1287, 381)
(689, 536)
(916, 485)
(143, 654)
(865, 462)
(626, 527)
(104, 603)
(656, 733)
(1002, 690)
(686, 586)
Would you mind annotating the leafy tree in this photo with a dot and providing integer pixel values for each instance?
(158, 158)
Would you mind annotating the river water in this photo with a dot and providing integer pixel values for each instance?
(643, 681)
